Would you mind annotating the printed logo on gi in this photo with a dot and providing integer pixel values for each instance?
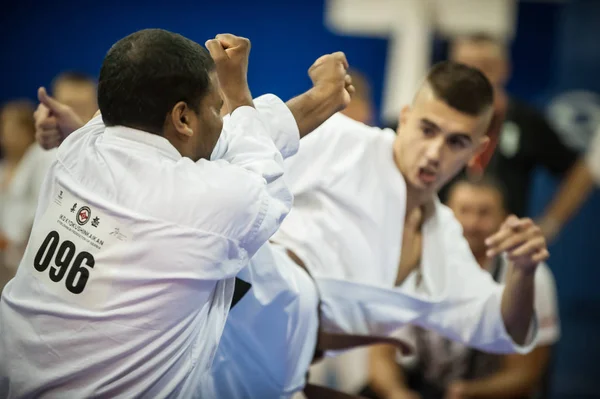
(83, 215)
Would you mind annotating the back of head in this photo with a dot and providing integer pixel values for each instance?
(461, 87)
(146, 73)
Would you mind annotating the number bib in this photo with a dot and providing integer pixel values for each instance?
(65, 245)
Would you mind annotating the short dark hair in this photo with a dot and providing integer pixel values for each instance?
(462, 87)
(146, 73)
(486, 181)
(482, 37)
(72, 77)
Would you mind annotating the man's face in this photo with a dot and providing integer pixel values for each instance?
(209, 122)
(435, 142)
(82, 97)
(487, 57)
(479, 210)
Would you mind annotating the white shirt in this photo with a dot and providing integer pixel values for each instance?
(346, 225)
(18, 201)
(593, 157)
(165, 238)
(442, 361)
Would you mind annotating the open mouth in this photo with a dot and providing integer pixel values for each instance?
(427, 175)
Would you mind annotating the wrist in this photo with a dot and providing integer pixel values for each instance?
(238, 99)
(523, 272)
(328, 97)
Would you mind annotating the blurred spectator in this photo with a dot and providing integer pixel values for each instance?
(576, 190)
(361, 108)
(526, 140)
(78, 91)
(22, 171)
(446, 369)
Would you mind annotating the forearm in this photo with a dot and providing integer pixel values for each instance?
(385, 374)
(519, 376)
(517, 303)
(571, 195)
(502, 385)
(313, 108)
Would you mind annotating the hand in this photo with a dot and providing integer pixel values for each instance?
(329, 75)
(523, 242)
(54, 121)
(230, 54)
(456, 390)
(403, 394)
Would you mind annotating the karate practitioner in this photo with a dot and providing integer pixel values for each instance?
(128, 277)
(366, 223)
(353, 185)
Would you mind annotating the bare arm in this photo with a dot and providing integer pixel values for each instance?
(385, 374)
(525, 246)
(517, 303)
(520, 376)
(571, 195)
(313, 108)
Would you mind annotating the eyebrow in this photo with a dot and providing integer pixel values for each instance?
(432, 125)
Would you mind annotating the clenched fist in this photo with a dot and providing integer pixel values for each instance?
(230, 54)
(329, 75)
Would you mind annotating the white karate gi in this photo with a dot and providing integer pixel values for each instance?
(128, 278)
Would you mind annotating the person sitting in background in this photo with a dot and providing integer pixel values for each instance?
(446, 369)
(519, 151)
(361, 107)
(576, 190)
(78, 91)
(22, 171)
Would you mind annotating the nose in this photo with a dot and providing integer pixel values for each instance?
(434, 150)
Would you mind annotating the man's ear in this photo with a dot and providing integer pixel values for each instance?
(404, 114)
(180, 118)
(475, 162)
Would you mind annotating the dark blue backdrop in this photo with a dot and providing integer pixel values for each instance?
(557, 49)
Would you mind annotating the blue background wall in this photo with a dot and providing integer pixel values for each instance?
(557, 49)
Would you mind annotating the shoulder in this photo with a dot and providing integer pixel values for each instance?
(217, 189)
(341, 140)
(340, 130)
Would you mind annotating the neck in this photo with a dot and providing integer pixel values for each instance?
(482, 259)
(416, 198)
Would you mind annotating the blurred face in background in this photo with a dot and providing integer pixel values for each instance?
(17, 129)
(487, 56)
(79, 95)
(480, 211)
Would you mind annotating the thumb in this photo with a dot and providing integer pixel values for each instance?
(216, 50)
(53, 105)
